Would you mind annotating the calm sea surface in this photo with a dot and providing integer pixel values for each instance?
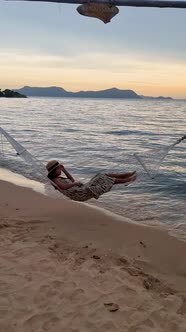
(93, 135)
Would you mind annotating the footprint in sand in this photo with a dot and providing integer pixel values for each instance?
(42, 322)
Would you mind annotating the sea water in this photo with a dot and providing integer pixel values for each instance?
(95, 135)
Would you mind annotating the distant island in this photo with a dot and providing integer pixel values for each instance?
(11, 94)
(55, 91)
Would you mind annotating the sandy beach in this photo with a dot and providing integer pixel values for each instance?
(65, 266)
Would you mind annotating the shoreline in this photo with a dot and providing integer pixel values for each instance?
(66, 266)
(47, 206)
(38, 187)
(20, 180)
(47, 190)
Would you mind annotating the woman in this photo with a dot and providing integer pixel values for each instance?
(98, 185)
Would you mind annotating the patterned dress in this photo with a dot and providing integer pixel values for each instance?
(97, 186)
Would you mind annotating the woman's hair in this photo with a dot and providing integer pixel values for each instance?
(51, 168)
(52, 174)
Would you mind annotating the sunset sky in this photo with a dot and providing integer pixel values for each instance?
(45, 44)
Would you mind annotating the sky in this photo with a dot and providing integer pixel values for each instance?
(47, 44)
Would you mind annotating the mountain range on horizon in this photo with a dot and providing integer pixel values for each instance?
(55, 91)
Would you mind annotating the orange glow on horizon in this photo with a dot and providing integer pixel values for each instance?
(148, 78)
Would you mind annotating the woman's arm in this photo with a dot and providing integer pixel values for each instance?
(68, 175)
(65, 186)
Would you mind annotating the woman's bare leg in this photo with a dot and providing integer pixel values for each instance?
(121, 175)
(125, 180)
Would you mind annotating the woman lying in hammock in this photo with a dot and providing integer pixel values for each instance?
(77, 191)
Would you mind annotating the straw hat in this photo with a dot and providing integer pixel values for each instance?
(51, 165)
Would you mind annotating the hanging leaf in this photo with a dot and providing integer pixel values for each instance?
(104, 12)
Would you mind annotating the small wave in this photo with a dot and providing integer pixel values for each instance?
(136, 132)
(70, 130)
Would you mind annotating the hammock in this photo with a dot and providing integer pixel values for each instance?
(152, 160)
(147, 163)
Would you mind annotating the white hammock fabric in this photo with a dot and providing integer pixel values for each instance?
(152, 160)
